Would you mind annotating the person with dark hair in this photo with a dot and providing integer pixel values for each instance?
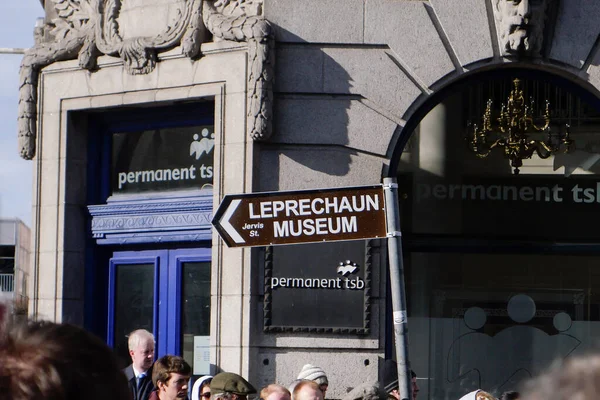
(390, 380)
(170, 376)
(201, 388)
(139, 372)
(510, 395)
(48, 361)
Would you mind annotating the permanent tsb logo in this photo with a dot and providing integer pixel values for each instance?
(346, 281)
(163, 159)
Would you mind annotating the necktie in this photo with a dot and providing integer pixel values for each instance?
(140, 379)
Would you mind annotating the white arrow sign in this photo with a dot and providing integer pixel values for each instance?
(224, 221)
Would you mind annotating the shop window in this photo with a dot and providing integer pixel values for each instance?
(152, 171)
(500, 259)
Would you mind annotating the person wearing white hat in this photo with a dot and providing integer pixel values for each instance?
(316, 374)
(201, 388)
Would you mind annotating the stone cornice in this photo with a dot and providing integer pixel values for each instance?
(151, 220)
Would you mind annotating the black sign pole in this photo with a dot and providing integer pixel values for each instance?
(390, 187)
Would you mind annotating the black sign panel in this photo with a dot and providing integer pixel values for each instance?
(528, 206)
(162, 159)
(318, 287)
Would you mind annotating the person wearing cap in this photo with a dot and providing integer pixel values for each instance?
(316, 374)
(390, 380)
(171, 376)
(230, 386)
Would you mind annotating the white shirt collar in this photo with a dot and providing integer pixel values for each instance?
(136, 373)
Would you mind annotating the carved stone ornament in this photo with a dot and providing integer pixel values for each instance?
(520, 25)
(85, 29)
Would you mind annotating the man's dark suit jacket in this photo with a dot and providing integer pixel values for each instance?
(146, 386)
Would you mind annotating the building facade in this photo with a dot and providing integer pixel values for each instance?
(140, 116)
(15, 245)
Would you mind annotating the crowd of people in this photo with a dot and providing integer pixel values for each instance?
(49, 361)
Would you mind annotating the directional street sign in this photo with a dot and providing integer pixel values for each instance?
(271, 218)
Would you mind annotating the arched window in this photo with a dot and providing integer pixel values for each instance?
(502, 268)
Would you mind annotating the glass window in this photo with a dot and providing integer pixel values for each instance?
(195, 316)
(133, 304)
(163, 159)
(500, 240)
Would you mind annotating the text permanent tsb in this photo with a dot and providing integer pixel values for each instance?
(324, 215)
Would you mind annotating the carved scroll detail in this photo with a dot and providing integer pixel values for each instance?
(88, 28)
(259, 34)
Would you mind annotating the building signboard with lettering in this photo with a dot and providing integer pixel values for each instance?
(263, 219)
(163, 159)
(318, 287)
(550, 206)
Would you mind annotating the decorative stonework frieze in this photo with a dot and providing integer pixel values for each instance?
(179, 218)
(86, 29)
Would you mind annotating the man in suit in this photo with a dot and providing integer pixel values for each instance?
(139, 373)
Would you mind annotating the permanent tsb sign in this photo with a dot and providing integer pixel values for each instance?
(263, 219)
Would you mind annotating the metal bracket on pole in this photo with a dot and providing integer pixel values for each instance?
(395, 260)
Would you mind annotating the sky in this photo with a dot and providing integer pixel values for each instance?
(17, 20)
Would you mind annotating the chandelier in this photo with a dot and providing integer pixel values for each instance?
(516, 133)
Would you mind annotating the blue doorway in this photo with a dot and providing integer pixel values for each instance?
(166, 292)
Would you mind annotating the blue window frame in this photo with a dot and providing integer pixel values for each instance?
(165, 268)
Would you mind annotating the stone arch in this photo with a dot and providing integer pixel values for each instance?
(460, 39)
(419, 109)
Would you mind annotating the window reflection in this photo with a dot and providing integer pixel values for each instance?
(482, 317)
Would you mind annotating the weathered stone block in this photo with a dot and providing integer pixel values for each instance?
(324, 21)
(289, 168)
(299, 69)
(370, 73)
(339, 121)
(405, 26)
(576, 31)
(467, 27)
(346, 369)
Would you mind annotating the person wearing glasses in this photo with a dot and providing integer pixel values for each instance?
(230, 386)
(201, 388)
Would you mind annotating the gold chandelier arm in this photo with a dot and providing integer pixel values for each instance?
(538, 149)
